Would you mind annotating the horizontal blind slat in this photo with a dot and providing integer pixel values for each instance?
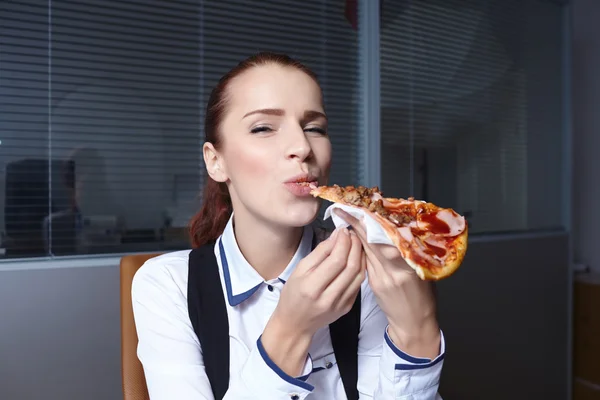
(124, 91)
(458, 78)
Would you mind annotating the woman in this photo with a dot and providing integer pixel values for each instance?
(266, 130)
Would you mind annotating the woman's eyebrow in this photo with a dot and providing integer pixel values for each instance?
(311, 115)
(269, 111)
(308, 115)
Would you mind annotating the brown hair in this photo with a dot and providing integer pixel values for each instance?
(208, 224)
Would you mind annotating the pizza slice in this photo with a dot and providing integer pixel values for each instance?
(432, 240)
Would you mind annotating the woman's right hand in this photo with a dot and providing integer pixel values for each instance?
(322, 288)
(324, 285)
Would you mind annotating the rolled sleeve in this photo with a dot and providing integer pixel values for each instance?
(414, 376)
(266, 380)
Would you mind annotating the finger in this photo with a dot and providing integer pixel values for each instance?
(352, 268)
(374, 266)
(348, 297)
(364, 261)
(320, 253)
(371, 253)
(323, 274)
(358, 227)
(371, 271)
(377, 268)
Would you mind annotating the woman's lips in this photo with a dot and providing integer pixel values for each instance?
(301, 189)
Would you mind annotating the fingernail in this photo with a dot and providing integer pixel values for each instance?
(334, 234)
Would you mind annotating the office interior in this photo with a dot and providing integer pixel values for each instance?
(485, 106)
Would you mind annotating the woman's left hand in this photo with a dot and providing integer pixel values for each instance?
(407, 301)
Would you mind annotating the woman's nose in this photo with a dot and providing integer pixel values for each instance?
(298, 145)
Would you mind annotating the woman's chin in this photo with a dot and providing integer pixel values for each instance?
(301, 215)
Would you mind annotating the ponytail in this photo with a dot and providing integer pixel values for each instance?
(208, 224)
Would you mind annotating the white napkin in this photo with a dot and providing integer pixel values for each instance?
(375, 233)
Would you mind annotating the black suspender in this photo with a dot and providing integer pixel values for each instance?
(208, 314)
(344, 338)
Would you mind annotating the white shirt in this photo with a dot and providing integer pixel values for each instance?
(171, 355)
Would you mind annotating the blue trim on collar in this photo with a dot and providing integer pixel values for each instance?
(239, 298)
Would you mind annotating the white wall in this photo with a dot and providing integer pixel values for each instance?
(586, 132)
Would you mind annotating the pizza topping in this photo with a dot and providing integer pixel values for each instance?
(436, 241)
(353, 197)
(377, 206)
(401, 206)
(437, 251)
(428, 236)
(431, 249)
(401, 219)
(425, 255)
(406, 233)
(361, 196)
(433, 224)
(444, 222)
(455, 222)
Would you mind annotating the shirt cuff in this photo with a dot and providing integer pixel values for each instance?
(267, 381)
(397, 365)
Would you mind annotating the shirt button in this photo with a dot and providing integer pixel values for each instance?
(295, 397)
(270, 288)
(328, 364)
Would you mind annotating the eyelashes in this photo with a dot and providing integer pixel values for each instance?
(268, 129)
(317, 130)
(260, 129)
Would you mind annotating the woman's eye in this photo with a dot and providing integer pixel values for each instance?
(317, 130)
(260, 129)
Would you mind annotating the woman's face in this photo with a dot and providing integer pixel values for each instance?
(274, 133)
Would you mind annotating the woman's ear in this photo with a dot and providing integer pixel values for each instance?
(213, 163)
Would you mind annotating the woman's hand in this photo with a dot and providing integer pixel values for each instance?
(322, 288)
(407, 301)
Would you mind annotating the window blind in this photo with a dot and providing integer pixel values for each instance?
(317, 32)
(102, 106)
(471, 108)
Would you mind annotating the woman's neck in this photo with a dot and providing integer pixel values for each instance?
(267, 248)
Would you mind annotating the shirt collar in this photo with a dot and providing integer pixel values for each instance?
(241, 279)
